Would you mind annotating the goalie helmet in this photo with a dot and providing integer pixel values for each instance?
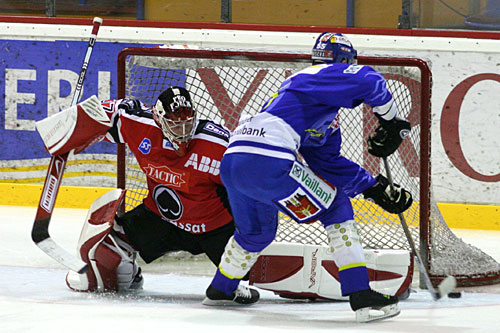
(175, 115)
(332, 48)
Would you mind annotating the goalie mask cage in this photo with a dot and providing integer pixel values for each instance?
(224, 84)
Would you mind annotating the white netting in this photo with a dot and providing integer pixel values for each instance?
(224, 87)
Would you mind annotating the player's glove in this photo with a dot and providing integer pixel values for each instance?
(388, 136)
(394, 201)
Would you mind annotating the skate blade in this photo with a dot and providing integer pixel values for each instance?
(366, 315)
(210, 302)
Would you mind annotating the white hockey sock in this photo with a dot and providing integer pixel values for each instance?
(236, 261)
(345, 245)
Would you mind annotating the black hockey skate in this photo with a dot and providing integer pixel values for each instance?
(241, 296)
(364, 301)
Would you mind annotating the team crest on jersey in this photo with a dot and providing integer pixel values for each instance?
(145, 146)
(168, 203)
(165, 175)
(300, 206)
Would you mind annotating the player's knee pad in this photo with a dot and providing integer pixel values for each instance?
(111, 260)
(345, 244)
(236, 261)
(312, 197)
(294, 270)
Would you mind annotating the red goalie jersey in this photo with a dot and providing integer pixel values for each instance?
(185, 191)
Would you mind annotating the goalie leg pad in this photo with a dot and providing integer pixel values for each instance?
(74, 128)
(295, 270)
(111, 270)
(111, 260)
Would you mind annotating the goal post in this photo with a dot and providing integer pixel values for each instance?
(224, 84)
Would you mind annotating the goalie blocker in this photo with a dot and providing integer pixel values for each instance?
(299, 271)
(74, 128)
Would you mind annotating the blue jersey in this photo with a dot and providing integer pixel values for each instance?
(304, 110)
(302, 118)
(310, 99)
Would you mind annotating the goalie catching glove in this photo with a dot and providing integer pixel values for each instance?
(388, 136)
(394, 201)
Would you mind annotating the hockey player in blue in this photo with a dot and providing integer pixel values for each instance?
(262, 173)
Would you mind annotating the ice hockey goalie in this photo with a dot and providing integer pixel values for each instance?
(294, 270)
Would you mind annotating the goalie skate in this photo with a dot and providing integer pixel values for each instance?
(241, 296)
(370, 306)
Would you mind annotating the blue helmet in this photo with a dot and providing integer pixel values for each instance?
(333, 47)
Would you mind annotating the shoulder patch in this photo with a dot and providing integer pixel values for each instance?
(211, 128)
(145, 146)
(353, 69)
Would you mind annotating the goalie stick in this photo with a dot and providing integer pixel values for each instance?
(40, 232)
(449, 283)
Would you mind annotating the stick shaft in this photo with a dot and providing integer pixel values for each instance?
(40, 232)
(422, 268)
(93, 36)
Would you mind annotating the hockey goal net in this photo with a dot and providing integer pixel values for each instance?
(225, 84)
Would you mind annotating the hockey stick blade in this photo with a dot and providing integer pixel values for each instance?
(60, 255)
(40, 232)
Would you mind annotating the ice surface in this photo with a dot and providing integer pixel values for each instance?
(34, 297)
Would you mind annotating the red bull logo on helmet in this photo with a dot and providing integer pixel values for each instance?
(341, 39)
(326, 37)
